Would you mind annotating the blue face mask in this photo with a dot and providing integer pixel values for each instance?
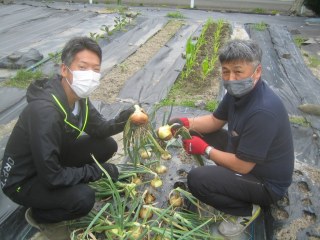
(239, 88)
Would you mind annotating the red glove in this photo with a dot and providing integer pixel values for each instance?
(195, 145)
(182, 121)
(177, 124)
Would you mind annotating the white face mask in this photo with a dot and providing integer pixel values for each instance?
(84, 82)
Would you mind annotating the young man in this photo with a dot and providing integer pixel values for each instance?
(255, 157)
(47, 162)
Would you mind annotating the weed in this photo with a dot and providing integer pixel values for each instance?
(299, 120)
(55, 57)
(211, 105)
(314, 62)
(23, 78)
(261, 26)
(299, 40)
(120, 23)
(176, 14)
(274, 12)
(258, 11)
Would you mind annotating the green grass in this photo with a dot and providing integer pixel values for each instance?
(275, 12)
(211, 105)
(261, 26)
(299, 120)
(259, 11)
(176, 14)
(298, 40)
(23, 78)
(314, 62)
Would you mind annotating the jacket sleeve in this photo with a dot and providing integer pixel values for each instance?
(99, 127)
(45, 128)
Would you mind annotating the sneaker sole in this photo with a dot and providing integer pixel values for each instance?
(254, 217)
(30, 220)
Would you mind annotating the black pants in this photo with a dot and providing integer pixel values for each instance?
(67, 203)
(225, 190)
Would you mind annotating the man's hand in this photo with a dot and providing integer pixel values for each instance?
(124, 115)
(195, 145)
(178, 123)
(181, 121)
(112, 170)
(122, 118)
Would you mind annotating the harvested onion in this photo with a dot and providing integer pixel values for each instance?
(145, 213)
(139, 117)
(145, 154)
(161, 169)
(164, 132)
(149, 198)
(135, 232)
(136, 180)
(166, 156)
(156, 182)
(176, 200)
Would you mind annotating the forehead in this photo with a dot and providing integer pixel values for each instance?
(87, 57)
(237, 65)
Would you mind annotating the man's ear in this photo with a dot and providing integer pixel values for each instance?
(258, 71)
(63, 70)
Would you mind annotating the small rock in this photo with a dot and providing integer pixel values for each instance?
(131, 14)
(286, 55)
(200, 104)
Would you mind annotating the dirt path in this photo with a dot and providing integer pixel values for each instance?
(113, 82)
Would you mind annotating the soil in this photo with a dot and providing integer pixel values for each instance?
(204, 88)
(112, 83)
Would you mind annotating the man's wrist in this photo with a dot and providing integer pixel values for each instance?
(207, 152)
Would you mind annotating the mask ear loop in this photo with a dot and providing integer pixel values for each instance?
(254, 81)
(70, 72)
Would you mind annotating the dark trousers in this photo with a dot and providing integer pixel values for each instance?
(67, 203)
(226, 190)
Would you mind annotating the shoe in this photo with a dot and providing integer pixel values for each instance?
(53, 231)
(236, 225)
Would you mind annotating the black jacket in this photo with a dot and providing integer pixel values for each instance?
(44, 128)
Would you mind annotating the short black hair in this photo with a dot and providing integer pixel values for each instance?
(241, 50)
(77, 44)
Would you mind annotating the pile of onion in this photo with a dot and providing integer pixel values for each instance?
(138, 117)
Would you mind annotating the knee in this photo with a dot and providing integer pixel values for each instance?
(112, 145)
(194, 180)
(84, 200)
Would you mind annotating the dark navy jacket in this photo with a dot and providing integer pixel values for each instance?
(259, 131)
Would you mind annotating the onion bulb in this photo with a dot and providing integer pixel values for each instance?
(166, 156)
(138, 117)
(160, 237)
(161, 169)
(156, 182)
(145, 154)
(176, 200)
(164, 132)
(136, 180)
(149, 198)
(135, 232)
(145, 213)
